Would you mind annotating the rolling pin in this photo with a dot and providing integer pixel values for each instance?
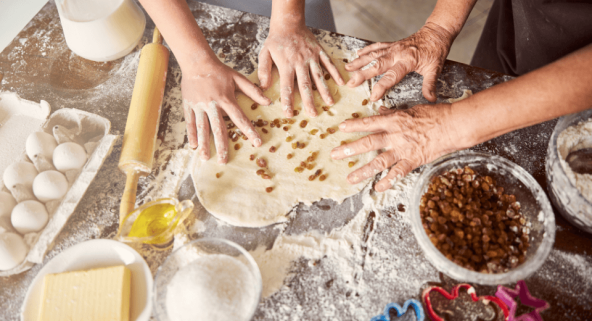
(139, 139)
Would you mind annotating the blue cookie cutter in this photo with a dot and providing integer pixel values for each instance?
(419, 314)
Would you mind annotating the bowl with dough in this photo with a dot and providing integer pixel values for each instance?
(570, 192)
(207, 279)
(473, 213)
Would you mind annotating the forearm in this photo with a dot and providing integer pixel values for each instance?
(451, 15)
(287, 13)
(178, 26)
(560, 88)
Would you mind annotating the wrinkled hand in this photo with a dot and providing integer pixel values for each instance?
(424, 52)
(295, 51)
(208, 94)
(411, 138)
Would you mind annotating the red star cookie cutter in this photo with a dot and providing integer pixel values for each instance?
(509, 298)
(454, 294)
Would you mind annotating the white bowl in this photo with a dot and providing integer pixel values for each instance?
(91, 255)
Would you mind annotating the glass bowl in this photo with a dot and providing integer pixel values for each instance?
(567, 198)
(534, 206)
(193, 253)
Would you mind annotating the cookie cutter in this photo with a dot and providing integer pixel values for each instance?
(454, 294)
(508, 296)
(416, 305)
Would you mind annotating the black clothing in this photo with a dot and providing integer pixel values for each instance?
(523, 35)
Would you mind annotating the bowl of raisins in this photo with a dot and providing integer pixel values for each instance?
(482, 219)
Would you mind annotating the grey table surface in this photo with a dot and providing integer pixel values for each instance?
(38, 65)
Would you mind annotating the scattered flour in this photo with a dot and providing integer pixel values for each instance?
(574, 138)
(349, 271)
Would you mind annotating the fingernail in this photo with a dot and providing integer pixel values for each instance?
(204, 157)
(331, 102)
(350, 82)
(342, 126)
(381, 187)
(341, 82)
(257, 142)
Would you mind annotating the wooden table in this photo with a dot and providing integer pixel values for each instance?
(38, 65)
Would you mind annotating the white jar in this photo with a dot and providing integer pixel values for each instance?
(101, 30)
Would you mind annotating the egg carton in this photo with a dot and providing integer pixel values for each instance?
(86, 129)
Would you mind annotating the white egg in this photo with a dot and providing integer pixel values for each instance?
(40, 143)
(49, 186)
(69, 156)
(29, 216)
(19, 173)
(7, 203)
(12, 250)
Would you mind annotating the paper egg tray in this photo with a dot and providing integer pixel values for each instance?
(88, 126)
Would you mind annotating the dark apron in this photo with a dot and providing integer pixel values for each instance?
(523, 35)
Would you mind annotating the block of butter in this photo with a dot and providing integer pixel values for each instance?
(96, 295)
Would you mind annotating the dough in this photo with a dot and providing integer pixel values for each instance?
(239, 195)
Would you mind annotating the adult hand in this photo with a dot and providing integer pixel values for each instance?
(208, 94)
(296, 52)
(410, 138)
(424, 52)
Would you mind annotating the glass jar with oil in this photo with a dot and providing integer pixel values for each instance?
(154, 222)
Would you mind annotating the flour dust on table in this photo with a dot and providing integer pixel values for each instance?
(259, 186)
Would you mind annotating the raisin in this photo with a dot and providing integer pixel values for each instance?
(261, 162)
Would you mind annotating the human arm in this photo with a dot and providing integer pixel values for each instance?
(425, 132)
(208, 86)
(424, 52)
(296, 52)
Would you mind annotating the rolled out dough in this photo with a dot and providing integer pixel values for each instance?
(239, 195)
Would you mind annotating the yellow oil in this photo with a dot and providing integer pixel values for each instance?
(153, 220)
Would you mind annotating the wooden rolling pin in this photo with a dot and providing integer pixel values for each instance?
(139, 139)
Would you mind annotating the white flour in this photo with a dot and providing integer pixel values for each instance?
(361, 261)
(213, 287)
(574, 138)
